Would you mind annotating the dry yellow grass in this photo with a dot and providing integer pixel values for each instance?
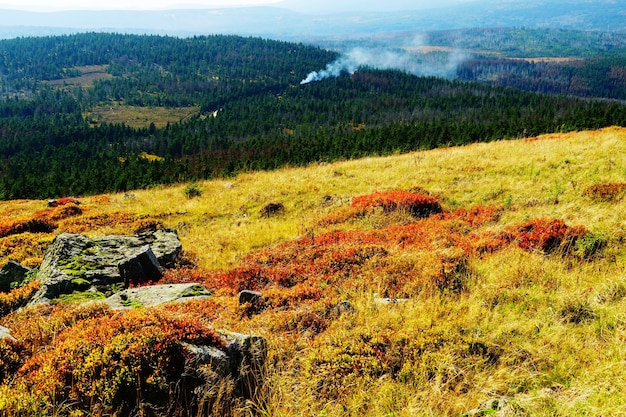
(140, 117)
(555, 325)
(89, 75)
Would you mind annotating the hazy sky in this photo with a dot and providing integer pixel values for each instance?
(302, 5)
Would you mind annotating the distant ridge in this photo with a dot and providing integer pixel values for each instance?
(287, 24)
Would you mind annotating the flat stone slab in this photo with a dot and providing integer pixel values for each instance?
(153, 295)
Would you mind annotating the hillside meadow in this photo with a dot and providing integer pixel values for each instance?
(423, 284)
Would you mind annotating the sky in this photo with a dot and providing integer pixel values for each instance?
(303, 5)
(58, 5)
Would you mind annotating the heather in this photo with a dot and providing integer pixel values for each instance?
(426, 283)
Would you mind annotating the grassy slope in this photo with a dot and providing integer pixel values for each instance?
(545, 331)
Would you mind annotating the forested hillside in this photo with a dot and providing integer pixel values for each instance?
(245, 109)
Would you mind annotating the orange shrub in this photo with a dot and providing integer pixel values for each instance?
(18, 297)
(11, 358)
(84, 224)
(59, 212)
(116, 362)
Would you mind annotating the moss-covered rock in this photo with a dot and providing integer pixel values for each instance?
(78, 263)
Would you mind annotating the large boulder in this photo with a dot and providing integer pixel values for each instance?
(75, 262)
(12, 272)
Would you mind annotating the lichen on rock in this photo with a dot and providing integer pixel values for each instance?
(77, 263)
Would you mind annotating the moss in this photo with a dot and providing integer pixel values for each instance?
(132, 304)
(80, 284)
(76, 266)
(195, 291)
(79, 297)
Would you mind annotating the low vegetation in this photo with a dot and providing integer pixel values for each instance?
(427, 283)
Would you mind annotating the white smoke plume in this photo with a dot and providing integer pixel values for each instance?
(411, 62)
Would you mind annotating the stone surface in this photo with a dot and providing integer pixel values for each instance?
(11, 272)
(154, 295)
(240, 365)
(6, 334)
(390, 301)
(498, 407)
(76, 262)
(247, 296)
(252, 302)
(344, 307)
(142, 266)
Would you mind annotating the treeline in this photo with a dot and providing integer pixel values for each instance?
(255, 115)
(532, 43)
(598, 77)
(152, 68)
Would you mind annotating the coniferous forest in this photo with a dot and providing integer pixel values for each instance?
(251, 112)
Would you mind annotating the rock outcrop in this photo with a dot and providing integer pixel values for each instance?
(78, 263)
(12, 272)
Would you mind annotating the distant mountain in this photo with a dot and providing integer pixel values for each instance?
(288, 24)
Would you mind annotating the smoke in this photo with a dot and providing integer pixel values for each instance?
(411, 61)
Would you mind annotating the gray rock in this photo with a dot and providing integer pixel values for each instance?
(247, 296)
(154, 295)
(252, 302)
(344, 307)
(74, 262)
(165, 245)
(242, 362)
(5, 334)
(498, 407)
(12, 272)
(248, 355)
(142, 266)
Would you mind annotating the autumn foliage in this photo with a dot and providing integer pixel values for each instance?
(33, 225)
(418, 205)
(431, 253)
(546, 235)
(606, 191)
(116, 362)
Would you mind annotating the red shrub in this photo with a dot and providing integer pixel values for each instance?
(63, 201)
(546, 235)
(418, 205)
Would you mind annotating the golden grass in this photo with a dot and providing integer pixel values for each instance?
(139, 117)
(89, 75)
(545, 332)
